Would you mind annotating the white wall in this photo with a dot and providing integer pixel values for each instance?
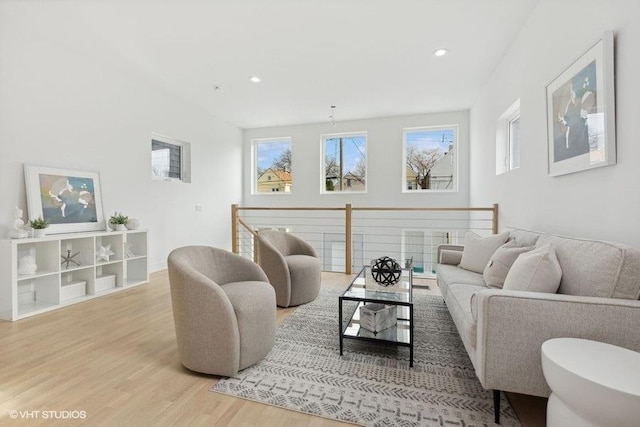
(64, 103)
(384, 162)
(602, 203)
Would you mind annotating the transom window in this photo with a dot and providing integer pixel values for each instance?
(508, 139)
(170, 159)
(344, 162)
(514, 143)
(272, 166)
(430, 159)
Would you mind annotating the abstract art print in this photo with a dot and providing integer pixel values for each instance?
(581, 112)
(68, 199)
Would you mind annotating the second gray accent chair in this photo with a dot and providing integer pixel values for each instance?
(292, 266)
(224, 310)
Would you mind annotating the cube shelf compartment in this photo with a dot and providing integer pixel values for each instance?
(68, 269)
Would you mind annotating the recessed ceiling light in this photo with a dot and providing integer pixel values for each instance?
(255, 79)
(440, 52)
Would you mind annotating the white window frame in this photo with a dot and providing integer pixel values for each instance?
(323, 179)
(504, 139)
(456, 149)
(185, 158)
(254, 165)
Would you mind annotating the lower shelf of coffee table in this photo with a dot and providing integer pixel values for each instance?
(399, 334)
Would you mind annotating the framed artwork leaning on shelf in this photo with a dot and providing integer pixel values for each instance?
(70, 200)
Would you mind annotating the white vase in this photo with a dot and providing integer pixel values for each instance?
(39, 232)
(132, 224)
(120, 227)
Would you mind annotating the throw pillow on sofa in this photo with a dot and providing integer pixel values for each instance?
(501, 261)
(478, 250)
(535, 271)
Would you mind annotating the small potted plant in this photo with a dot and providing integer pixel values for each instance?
(38, 225)
(118, 222)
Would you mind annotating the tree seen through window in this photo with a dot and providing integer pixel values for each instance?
(429, 159)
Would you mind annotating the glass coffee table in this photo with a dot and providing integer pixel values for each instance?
(363, 290)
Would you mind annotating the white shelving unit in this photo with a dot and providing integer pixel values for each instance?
(54, 284)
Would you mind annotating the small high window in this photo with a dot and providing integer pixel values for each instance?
(170, 159)
(508, 139)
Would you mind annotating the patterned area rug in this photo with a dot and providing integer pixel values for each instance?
(371, 384)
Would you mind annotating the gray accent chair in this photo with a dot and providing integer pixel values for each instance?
(292, 266)
(223, 308)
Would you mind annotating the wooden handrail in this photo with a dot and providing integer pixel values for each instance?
(347, 239)
(248, 227)
(495, 218)
(258, 208)
(348, 220)
(423, 209)
(289, 208)
(234, 229)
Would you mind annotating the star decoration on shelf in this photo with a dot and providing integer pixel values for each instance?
(69, 259)
(104, 253)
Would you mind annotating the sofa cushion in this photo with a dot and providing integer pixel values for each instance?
(501, 261)
(478, 250)
(535, 271)
(450, 274)
(594, 268)
(459, 305)
(524, 237)
(451, 257)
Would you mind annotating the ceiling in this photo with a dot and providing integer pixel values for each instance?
(369, 58)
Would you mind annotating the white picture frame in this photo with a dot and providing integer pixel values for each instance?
(70, 200)
(581, 112)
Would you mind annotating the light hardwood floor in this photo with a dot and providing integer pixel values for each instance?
(114, 360)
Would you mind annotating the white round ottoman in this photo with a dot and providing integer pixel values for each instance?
(592, 383)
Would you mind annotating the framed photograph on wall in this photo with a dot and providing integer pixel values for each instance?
(70, 200)
(581, 112)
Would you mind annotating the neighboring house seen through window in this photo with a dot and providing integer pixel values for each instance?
(344, 162)
(272, 160)
(170, 159)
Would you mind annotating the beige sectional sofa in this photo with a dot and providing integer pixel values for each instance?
(503, 329)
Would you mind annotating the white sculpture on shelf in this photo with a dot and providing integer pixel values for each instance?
(104, 253)
(27, 263)
(19, 231)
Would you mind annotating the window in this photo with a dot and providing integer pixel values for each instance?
(345, 163)
(508, 139)
(430, 159)
(514, 143)
(170, 159)
(272, 166)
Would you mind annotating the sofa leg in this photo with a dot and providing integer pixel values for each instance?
(496, 406)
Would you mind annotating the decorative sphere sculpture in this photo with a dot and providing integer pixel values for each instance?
(385, 271)
(132, 224)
